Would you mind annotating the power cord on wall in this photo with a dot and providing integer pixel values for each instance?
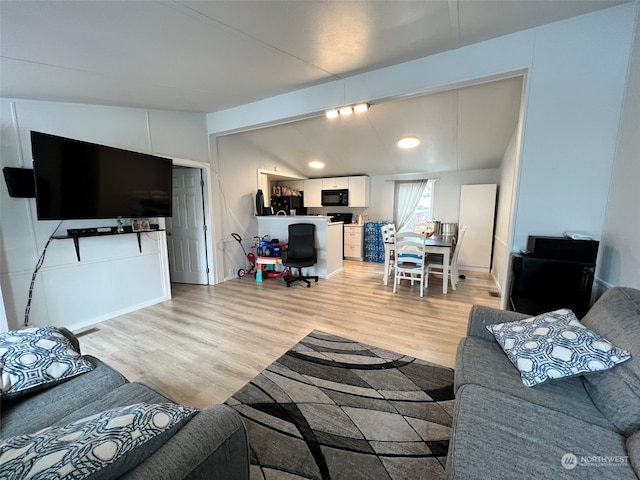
(35, 274)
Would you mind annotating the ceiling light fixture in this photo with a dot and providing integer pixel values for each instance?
(316, 164)
(347, 110)
(361, 108)
(408, 142)
(333, 113)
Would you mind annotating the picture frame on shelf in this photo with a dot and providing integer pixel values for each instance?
(140, 225)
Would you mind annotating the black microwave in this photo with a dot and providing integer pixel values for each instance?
(335, 198)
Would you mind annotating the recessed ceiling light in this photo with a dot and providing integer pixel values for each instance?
(344, 111)
(408, 142)
(333, 113)
(316, 164)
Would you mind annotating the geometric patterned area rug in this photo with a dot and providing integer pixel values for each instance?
(332, 408)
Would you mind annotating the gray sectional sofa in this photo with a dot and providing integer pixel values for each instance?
(505, 430)
(213, 444)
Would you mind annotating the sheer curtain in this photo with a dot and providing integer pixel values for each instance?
(408, 196)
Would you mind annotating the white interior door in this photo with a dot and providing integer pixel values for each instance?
(477, 212)
(186, 231)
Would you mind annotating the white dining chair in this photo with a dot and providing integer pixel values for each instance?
(452, 272)
(388, 232)
(410, 252)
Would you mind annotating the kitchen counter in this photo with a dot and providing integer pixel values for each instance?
(329, 239)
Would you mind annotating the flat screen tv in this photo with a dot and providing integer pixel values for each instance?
(78, 180)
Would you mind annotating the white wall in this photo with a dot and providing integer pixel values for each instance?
(446, 193)
(619, 262)
(237, 163)
(506, 186)
(4, 324)
(572, 100)
(113, 277)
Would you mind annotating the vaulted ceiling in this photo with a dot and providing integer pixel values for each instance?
(205, 56)
(461, 129)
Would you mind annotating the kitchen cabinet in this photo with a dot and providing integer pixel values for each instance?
(335, 183)
(477, 212)
(354, 242)
(359, 191)
(313, 192)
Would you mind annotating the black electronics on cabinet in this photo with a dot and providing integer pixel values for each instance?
(284, 205)
(555, 273)
(562, 248)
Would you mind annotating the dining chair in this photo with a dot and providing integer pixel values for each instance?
(388, 232)
(410, 252)
(452, 273)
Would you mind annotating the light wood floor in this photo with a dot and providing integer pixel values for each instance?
(208, 341)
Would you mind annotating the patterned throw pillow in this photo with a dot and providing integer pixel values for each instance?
(388, 233)
(37, 357)
(555, 345)
(102, 446)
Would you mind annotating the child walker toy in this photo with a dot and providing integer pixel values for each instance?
(250, 257)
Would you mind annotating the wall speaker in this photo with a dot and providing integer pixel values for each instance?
(20, 182)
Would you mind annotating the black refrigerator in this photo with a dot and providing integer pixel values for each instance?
(553, 273)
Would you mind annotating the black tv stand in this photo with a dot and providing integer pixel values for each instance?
(77, 234)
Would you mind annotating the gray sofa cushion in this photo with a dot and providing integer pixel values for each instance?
(213, 445)
(481, 316)
(126, 394)
(616, 393)
(483, 362)
(33, 412)
(498, 436)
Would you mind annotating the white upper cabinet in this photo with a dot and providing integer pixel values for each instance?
(359, 191)
(295, 184)
(313, 192)
(336, 183)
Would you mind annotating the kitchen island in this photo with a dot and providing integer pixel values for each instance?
(329, 239)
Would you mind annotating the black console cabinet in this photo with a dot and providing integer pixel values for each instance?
(560, 275)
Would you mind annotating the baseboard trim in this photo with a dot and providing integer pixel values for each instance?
(93, 321)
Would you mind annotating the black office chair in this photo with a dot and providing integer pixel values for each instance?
(300, 252)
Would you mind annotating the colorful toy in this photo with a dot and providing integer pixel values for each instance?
(270, 248)
(250, 257)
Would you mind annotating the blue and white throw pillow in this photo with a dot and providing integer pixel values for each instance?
(37, 357)
(102, 446)
(555, 345)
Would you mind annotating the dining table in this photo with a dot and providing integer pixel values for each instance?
(439, 244)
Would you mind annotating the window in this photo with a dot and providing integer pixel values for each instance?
(413, 203)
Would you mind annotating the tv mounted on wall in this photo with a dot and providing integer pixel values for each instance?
(78, 180)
